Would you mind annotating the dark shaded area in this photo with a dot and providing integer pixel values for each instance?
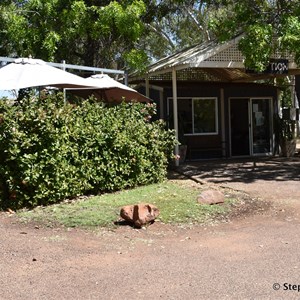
(128, 223)
(246, 170)
(123, 223)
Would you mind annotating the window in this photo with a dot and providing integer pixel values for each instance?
(197, 116)
(204, 115)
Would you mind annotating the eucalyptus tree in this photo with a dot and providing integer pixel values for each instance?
(267, 26)
(176, 25)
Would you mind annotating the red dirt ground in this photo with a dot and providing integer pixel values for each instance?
(239, 258)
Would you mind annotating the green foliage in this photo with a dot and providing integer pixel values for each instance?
(119, 34)
(94, 33)
(136, 59)
(284, 84)
(51, 150)
(268, 26)
(257, 47)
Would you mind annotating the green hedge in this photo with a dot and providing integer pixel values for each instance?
(50, 151)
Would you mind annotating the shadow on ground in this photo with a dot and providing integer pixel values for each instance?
(243, 170)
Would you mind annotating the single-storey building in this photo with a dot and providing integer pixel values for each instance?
(217, 107)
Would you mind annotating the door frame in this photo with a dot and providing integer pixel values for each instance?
(250, 120)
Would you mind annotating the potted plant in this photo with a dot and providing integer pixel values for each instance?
(182, 150)
(181, 136)
(287, 137)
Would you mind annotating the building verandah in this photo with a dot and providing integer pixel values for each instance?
(216, 106)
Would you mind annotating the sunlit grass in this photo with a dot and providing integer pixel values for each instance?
(177, 205)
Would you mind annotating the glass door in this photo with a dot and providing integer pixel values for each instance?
(251, 126)
(261, 126)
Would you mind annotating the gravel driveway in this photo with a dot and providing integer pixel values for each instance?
(248, 258)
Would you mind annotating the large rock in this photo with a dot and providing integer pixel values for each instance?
(211, 197)
(139, 214)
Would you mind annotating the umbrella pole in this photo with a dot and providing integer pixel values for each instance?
(64, 90)
(64, 93)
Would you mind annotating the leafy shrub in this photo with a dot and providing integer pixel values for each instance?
(51, 150)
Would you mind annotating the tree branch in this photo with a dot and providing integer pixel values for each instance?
(198, 24)
(162, 34)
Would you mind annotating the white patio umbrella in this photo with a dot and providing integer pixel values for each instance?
(109, 90)
(28, 72)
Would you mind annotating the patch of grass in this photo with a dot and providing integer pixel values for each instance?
(177, 204)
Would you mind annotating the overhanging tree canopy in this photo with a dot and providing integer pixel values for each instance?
(269, 26)
(93, 33)
(119, 34)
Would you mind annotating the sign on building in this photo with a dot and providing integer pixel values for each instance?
(276, 66)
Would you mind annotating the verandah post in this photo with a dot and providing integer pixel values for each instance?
(175, 113)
